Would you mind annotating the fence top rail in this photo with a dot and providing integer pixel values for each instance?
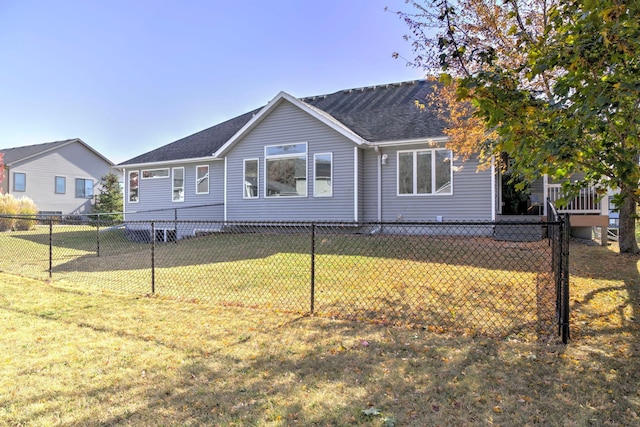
(553, 219)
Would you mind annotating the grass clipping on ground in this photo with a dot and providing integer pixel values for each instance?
(72, 357)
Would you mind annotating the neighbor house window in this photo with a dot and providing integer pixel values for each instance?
(202, 179)
(424, 172)
(286, 170)
(133, 187)
(178, 184)
(61, 185)
(250, 179)
(155, 173)
(322, 168)
(84, 188)
(19, 181)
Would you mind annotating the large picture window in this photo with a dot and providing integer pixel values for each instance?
(178, 184)
(133, 186)
(323, 171)
(202, 179)
(286, 170)
(250, 190)
(84, 188)
(424, 172)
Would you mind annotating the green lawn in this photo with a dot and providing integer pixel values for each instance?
(90, 357)
(468, 284)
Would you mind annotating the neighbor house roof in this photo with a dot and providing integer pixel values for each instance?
(374, 114)
(19, 154)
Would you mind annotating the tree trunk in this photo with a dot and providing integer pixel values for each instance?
(627, 232)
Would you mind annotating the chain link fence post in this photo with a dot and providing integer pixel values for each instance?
(564, 259)
(50, 248)
(153, 257)
(313, 266)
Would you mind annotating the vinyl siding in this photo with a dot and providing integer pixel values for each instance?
(70, 161)
(471, 198)
(155, 195)
(287, 124)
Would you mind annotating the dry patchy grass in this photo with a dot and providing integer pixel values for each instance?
(71, 357)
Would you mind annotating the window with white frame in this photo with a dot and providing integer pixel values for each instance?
(84, 188)
(155, 173)
(133, 186)
(61, 185)
(425, 172)
(250, 187)
(19, 181)
(202, 179)
(178, 184)
(286, 170)
(323, 173)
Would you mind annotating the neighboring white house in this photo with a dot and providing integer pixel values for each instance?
(357, 155)
(60, 177)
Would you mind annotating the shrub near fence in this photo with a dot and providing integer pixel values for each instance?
(455, 277)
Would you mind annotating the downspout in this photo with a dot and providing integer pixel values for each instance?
(224, 192)
(379, 183)
(356, 181)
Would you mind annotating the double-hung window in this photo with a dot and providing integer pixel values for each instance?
(250, 187)
(286, 170)
(61, 185)
(323, 171)
(202, 179)
(19, 181)
(178, 184)
(425, 172)
(133, 186)
(84, 188)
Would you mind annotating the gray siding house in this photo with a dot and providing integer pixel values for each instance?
(60, 177)
(357, 155)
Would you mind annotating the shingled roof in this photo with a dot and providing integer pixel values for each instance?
(382, 113)
(17, 154)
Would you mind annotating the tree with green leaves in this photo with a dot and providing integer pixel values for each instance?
(556, 82)
(109, 200)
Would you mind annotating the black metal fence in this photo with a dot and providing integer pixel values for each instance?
(506, 279)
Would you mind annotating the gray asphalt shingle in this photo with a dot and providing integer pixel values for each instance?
(377, 113)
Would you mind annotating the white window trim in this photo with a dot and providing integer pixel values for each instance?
(129, 187)
(154, 177)
(244, 175)
(13, 184)
(93, 188)
(55, 184)
(173, 184)
(208, 176)
(315, 192)
(415, 172)
(285, 156)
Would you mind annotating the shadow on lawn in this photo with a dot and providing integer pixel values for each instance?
(331, 375)
(477, 252)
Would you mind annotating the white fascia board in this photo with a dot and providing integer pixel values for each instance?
(275, 102)
(166, 163)
(433, 140)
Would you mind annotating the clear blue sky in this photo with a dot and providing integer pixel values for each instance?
(129, 76)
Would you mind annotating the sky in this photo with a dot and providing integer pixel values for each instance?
(129, 76)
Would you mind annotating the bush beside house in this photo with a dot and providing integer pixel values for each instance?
(10, 205)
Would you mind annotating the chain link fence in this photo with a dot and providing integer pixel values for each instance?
(491, 278)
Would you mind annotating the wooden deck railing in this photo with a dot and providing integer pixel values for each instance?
(586, 203)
